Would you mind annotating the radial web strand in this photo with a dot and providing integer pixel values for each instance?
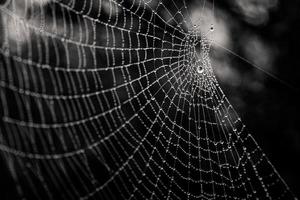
(117, 99)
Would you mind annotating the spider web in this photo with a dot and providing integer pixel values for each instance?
(118, 100)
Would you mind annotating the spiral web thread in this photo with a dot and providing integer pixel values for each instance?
(117, 100)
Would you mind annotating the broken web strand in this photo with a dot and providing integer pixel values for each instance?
(203, 108)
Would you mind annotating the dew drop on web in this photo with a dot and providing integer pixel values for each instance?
(212, 28)
(200, 69)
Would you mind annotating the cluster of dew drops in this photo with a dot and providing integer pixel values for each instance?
(200, 68)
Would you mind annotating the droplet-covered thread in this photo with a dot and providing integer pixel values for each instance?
(118, 100)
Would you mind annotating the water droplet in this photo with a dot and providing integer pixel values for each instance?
(200, 69)
(212, 28)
